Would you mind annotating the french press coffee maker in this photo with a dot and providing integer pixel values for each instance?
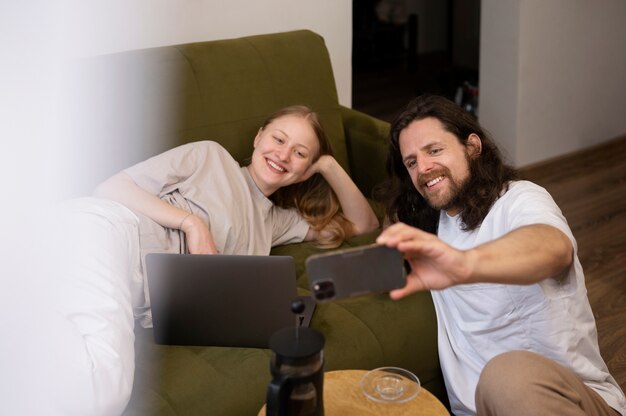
(297, 367)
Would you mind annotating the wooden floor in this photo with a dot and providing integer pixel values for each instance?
(590, 188)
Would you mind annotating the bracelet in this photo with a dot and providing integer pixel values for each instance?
(180, 227)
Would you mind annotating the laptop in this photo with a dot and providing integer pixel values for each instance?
(222, 300)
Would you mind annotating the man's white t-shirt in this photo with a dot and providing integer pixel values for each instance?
(553, 318)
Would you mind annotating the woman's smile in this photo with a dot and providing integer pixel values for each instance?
(275, 166)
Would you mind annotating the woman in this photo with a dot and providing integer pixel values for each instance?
(194, 198)
(197, 199)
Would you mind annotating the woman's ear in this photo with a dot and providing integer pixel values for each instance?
(257, 138)
(474, 145)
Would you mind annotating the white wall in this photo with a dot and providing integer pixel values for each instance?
(498, 69)
(104, 26)
(552, 75)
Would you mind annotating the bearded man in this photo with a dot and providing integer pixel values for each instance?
(516, 333)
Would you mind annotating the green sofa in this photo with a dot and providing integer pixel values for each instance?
(222, 90)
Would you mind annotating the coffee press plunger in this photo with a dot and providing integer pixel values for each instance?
(297, 367)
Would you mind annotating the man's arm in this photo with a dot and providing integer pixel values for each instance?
(526, 255)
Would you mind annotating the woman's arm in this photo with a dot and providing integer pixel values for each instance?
(354, 205)
(123, 189)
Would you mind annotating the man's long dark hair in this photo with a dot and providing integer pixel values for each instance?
(489, 175)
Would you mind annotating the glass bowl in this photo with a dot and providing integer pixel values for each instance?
(390, 385)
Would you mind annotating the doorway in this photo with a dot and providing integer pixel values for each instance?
(404, 48)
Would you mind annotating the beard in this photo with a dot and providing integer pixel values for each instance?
(458, 190)
(486, 181)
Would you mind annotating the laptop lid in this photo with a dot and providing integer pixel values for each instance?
(221, 300)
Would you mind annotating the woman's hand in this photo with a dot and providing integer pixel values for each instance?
(320, 166)
(198, 236)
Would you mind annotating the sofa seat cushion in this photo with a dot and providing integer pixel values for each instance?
(188, 380)
(360, 333)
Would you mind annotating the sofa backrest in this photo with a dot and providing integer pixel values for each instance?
(216, 90)
(241, 81)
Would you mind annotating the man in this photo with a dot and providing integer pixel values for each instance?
(516, 332)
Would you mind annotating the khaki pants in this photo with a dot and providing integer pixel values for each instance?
(524, 383)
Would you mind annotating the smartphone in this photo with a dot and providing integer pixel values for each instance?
(355, 272)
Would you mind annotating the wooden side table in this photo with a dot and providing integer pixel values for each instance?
(343, 397)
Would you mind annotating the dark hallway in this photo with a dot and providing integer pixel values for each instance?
(403, 48)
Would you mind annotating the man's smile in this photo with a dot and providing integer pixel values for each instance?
(433, 182)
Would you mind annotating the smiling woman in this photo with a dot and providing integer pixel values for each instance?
(289, 150)
(197, 199)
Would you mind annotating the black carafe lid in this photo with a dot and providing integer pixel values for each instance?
(295, 344)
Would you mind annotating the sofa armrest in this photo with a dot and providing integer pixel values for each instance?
(366, 140)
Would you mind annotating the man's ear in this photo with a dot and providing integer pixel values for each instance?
(474, 145)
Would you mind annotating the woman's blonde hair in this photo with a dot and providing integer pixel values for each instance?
(314, 198)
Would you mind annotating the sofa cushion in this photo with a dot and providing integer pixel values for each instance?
(360, 333)
(239, 82)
